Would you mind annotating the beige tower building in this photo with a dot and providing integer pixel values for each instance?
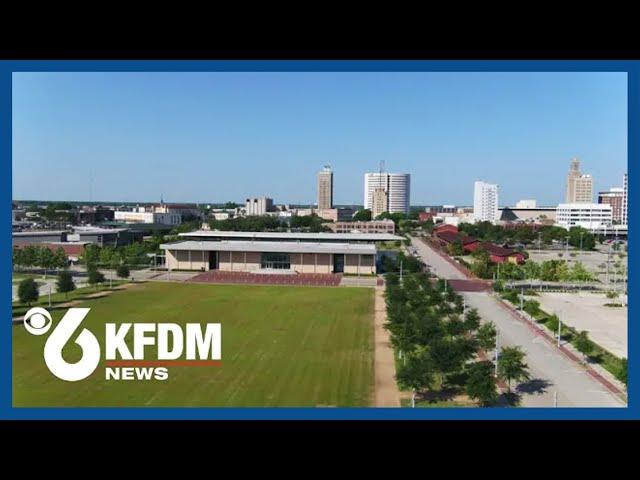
(325, 188)
(579, 186)
(380, 203)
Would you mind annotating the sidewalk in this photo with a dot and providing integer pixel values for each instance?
(386, 390)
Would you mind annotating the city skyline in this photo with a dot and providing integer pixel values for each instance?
(194, 137)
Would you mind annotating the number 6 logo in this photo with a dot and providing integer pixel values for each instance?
(36, 324)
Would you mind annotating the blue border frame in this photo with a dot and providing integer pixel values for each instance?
(7, 67)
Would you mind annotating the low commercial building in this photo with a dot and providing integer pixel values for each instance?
(38, 236)
(267, 256)
(592, 216)
(373, 226)
(147, 217)
(112, 237)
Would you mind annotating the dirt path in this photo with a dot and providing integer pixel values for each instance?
(386, 390)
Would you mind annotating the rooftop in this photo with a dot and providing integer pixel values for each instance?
(365, 237)
(38, 233)
(276, 247)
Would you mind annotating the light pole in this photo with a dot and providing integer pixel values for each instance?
(555, 399)
(581, 234)
(539, 243)
(559, 330)
(497, 355)
(401, 270)
(566, 247)
(522, 299)
(49, 295)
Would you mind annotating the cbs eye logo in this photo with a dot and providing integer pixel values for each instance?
(37, 321)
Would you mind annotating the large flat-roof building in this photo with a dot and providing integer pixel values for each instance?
(592, 216)
(268, 256)
(218, 235)
(260, 252)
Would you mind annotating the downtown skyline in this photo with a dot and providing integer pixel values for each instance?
(216, 137)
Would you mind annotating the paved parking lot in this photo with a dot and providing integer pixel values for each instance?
(607, 326)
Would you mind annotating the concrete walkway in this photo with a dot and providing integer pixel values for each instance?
(386, 390)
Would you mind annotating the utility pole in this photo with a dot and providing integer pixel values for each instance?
(608, 259)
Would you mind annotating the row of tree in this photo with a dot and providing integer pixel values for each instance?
(438, 341)
(526, 234)
(548, 270)
(39, 256)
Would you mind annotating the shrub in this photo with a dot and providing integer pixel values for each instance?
(28, 291)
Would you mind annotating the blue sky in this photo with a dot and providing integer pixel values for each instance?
(212, 137)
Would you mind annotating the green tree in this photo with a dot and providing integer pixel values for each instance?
(362, 215)
(531, 269)
(583, 344)
(123, 271)
(94, 276)
(512, 365)
(471, 320)
(17, 257)
(60, 259)
(65, 283)
(622, 371)
(417, 373)
(481, 384)
(46, 259)
(28, 291)
(455, 249)
(486, 336)
(481, 267)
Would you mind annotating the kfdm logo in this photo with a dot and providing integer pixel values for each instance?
(188, 345)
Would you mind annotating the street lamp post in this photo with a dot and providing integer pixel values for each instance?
(497, 355)
(559, 330)
(581, 234)
(49, 295)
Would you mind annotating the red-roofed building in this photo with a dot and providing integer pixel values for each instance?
(469, 244)
(499, 254)
(424, 216)
(444, 227)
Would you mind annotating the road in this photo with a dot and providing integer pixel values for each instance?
(550, 370)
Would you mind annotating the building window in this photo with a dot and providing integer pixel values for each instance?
(280, 261)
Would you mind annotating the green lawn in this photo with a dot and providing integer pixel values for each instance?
(281, 346)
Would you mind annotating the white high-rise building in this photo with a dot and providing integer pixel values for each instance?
(397, 186)
(485, 202)
(625, 200)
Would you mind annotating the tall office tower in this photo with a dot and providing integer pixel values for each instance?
(258, 206)
(485, 202)
(396, 185)
(380, 202)
(625, 199)
(614, 197)
(579, 186)
(325, 188)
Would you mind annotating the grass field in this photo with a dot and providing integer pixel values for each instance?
(281, 346)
